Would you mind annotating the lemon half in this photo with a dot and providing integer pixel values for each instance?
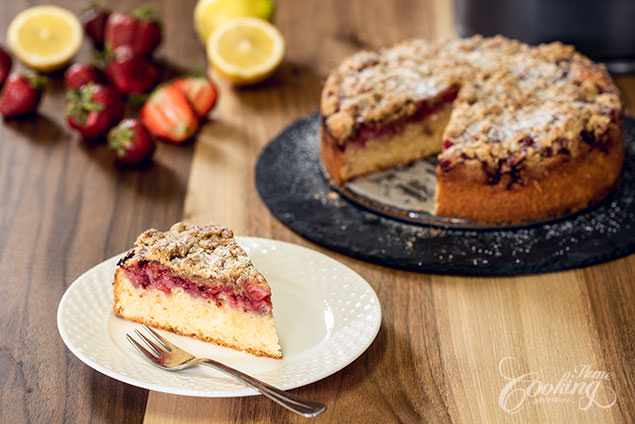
(209, 14)
(45, 37)
(245, 50)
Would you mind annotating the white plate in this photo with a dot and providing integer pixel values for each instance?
(326, 316)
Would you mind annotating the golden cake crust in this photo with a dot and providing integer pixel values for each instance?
(210, 252)
(561, 184)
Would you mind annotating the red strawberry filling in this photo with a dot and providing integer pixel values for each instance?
(373, 130)
(152, 274)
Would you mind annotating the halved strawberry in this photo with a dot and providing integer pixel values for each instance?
(169, 115)
(201, 93)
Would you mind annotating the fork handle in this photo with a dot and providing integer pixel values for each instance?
(297, 404)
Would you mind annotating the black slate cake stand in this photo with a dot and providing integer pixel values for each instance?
(290, 182)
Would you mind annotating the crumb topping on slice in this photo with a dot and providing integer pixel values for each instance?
(203, 252)
(514, 100)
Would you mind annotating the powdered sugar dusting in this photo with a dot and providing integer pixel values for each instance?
(509, 91)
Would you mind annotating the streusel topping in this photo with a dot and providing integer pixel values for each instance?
(209, 252)
(513, 100)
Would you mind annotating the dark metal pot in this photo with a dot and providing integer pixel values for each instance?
(602, 29)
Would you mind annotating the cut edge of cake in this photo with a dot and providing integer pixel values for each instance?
(414, 141)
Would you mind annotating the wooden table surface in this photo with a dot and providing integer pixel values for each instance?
(65, 208)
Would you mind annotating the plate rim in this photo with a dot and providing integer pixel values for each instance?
(123, 377)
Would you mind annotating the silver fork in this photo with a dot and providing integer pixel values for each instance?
(167, 356)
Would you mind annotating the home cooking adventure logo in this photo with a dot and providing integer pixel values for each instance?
(584, 386)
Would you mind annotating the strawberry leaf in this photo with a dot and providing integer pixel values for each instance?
(104, 57)
(146, 13)
(197, 72)
(137, 98)
(36, 80)
(80, 103)
(120, 138)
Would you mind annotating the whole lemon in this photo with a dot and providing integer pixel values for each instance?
(209, 14)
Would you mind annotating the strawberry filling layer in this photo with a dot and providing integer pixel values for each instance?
(146, 274)
(373, 130)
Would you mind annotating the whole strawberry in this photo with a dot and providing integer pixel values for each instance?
(131, 142)
(130, 73)
(5, 65)
(93, 109)
(81, 74)
(21, 94)
(94, 22)
(140, 30)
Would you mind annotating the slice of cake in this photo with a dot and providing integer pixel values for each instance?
(197, 281)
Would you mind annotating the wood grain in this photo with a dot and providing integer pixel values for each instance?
(436, 357)
(65, 207)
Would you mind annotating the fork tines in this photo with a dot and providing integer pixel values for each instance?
(154, 351)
